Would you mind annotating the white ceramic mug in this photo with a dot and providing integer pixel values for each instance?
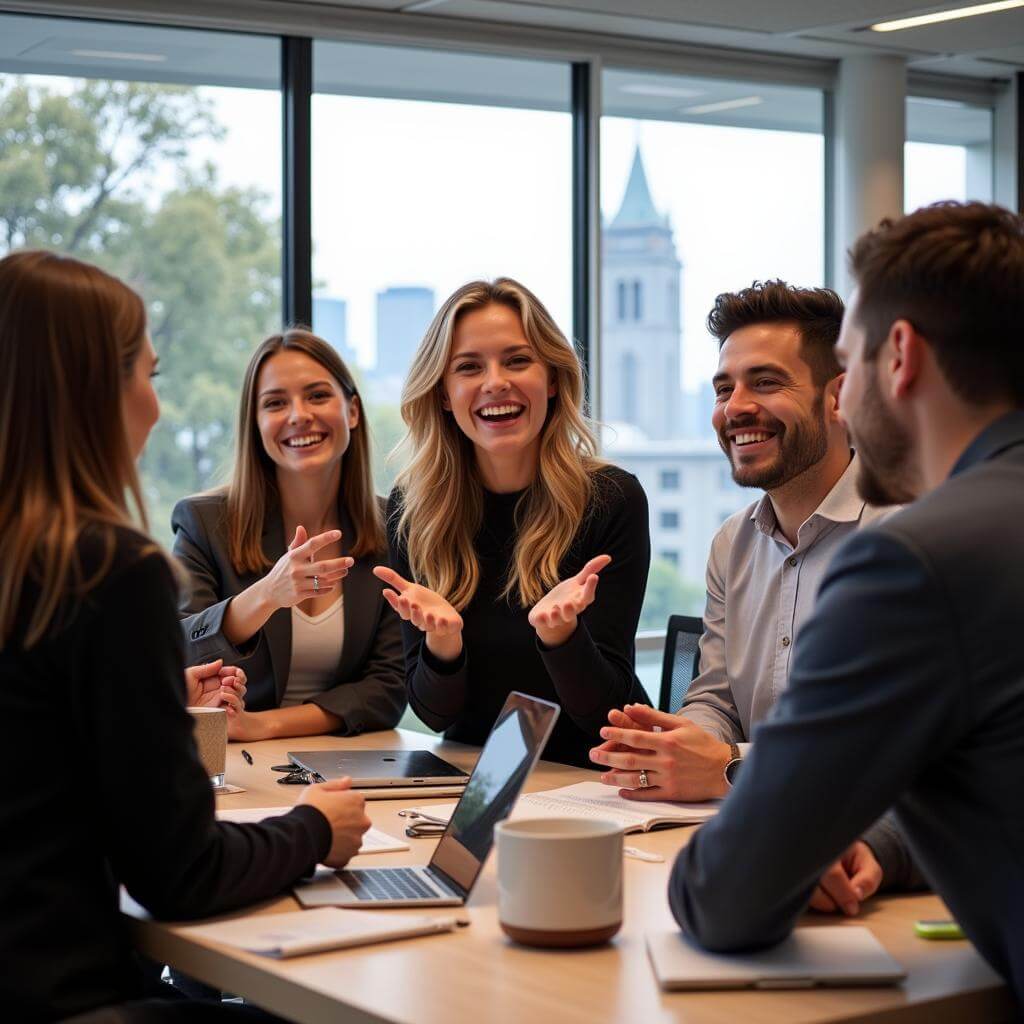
(210, 728)
(559, 881)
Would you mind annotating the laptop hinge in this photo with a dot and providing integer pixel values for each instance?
(446, 881)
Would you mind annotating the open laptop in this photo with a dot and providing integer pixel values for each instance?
(371, 769)
(512, 749)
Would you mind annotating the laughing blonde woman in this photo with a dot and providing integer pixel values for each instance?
(518, 558)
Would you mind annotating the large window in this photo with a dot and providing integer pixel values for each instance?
(706, 186)
(948, 153)
(431, 169)
(156, 154)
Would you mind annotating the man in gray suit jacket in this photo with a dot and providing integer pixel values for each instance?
(907, 687)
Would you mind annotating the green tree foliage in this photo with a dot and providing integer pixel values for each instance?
(98, 170)
(669, 594)
(386, 431)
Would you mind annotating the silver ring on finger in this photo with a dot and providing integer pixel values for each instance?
(316, 584)
(644, 781)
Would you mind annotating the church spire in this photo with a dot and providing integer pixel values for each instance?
(637, 209)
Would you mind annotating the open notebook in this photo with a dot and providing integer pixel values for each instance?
(595, 800)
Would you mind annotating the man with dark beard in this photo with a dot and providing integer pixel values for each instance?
(907, 687)
(777, 419)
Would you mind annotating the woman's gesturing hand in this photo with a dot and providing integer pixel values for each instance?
(554, 615)
(297, 577)
(427, 611)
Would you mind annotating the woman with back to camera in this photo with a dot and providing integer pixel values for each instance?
(109, 790)
(281, 559)
(518, 558)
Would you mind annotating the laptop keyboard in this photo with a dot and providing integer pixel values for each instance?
(388, 884)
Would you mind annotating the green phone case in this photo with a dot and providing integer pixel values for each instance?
(938, 930)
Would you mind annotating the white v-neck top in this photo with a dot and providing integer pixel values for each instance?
(317, 642)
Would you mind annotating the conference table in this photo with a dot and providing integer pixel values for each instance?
(476, 974)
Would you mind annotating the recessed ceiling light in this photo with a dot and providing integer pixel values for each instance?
(714, 108)
(154, 58)
(953, 15)
(678, 92)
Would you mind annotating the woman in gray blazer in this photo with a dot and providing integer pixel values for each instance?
(280, 560)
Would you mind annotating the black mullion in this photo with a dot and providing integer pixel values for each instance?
(297, 221)
(1019, 140)
(832, 272)
(582, 285)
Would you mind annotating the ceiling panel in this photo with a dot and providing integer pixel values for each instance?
(96, 49)
(627, 26)
(748, 15)
(828, 29)
(963, 35)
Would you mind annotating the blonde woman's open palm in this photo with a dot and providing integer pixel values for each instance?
(554, 616)
(427, 610)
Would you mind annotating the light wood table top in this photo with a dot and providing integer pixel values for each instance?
(476, 974)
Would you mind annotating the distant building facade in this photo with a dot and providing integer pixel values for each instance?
(641, 333)
(690, 492)
(403, 315)
(330, 321)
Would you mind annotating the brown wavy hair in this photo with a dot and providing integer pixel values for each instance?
(252, 491)
(70, 336)
(442, 495)
(817, 313)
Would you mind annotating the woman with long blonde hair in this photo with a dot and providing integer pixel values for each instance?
(281, 559)
(91, 675)
(518, 557)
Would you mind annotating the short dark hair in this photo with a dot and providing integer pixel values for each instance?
(956, 272)
(816, 312)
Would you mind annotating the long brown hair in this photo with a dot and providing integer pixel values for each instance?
(442, 495)
(252, 492)
(70, 335)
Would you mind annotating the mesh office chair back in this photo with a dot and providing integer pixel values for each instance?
(681, 661)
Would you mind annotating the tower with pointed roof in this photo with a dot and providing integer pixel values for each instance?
(640, 317)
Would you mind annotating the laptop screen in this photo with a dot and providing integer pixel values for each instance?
(512, 749)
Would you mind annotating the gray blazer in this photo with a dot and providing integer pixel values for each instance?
(369, 690)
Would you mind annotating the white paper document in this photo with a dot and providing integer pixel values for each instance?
(314, 931)
(374, 840)
(834, 955)
(597, 801)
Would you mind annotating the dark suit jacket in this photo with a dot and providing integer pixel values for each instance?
(122, 799)
(907, 689)
(369, 689)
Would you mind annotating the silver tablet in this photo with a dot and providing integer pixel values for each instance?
(379, 768)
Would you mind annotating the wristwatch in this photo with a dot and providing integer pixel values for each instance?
(733, 765)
